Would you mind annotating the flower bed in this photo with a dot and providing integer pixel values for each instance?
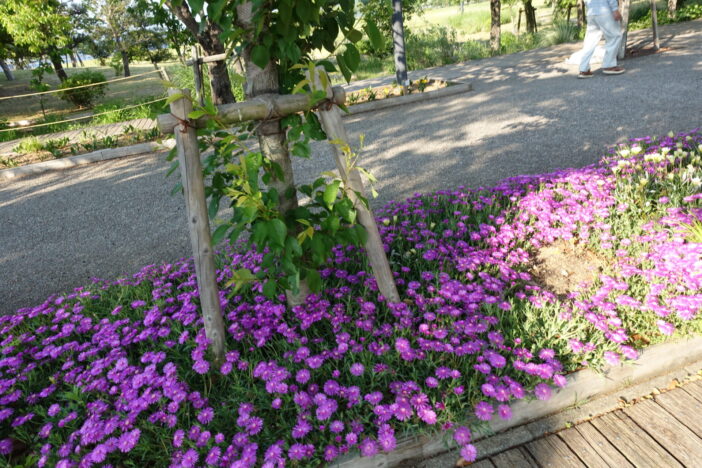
(117, 374)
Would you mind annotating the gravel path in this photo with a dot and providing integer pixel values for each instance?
(527, 114)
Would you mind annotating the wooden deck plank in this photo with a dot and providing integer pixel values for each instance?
(482, 464)
(602, 446)
(694, 389)
(636, 445)
(553, 452)
(684, 407)
(517, 457)
(677, 439)
(582, 448)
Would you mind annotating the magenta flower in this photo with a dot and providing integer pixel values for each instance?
(542, 391)
(483, 411)
(462, 435)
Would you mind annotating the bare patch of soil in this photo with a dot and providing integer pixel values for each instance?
(562, 266)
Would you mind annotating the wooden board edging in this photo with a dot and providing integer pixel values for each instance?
(87, 158)
(582, 386)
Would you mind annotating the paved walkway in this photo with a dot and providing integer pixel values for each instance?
(78, 135)
(665, 431)
(527, 114)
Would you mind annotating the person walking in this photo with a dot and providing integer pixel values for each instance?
(603, 18)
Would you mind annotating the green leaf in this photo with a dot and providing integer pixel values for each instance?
(277, 232)
(269, 289)
(260, 56)
(352, 57)
(175, 97)
(219, 234)
(328, 66)
(330, 193)
(213, 207)
(354, 35)
(196, 6)
(344, 68)
(214, 9)
(314, 281)
(374, 36)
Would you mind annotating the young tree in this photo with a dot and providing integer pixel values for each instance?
(530, 15)
(161, 22)
(117, 24)
(495, 25)
(208, 34)
(39, 25)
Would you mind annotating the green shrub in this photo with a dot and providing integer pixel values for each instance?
(83, 97)
(561, 32)
(434, 46)
(511, 43)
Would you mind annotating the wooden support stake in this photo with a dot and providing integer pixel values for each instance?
(654, 24)
(334, 128)
(198, 224)
(197, 73)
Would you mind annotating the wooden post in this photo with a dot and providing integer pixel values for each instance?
(198, 224)
(197, 73)
(334, 128)
(624, 8)
(654, 25)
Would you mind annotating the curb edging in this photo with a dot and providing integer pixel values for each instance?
(582, 386)
(456, 88)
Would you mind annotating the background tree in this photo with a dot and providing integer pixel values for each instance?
(39, 25)
(495, 25)
(6, 52)
(530, 16)
(118, 25)
(380, 11)
(208, 33)
(155, 14)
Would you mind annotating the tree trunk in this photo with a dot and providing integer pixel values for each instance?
(6, 69)
(209, 39)
(530, 15)
(271, 136)
(74, 62)
(495, 25)
(125, 63)
(55, 58)
(672, 7)
(80, 59)
(220, 84)
(581, 14)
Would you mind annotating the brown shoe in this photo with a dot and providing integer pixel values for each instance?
(585, 74)
(613, 70)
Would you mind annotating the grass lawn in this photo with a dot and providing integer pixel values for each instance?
(29, 108)
(118, 372)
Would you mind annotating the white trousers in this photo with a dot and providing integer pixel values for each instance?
(598, 25)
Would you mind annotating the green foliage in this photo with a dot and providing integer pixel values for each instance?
(476, 21)
(83, 97)
(37, 24)
(117, 113)
(116, 63)
(641, 17)
(561, 32)
(434, 46)
(297, 245)
(381, 11)
(28, 145)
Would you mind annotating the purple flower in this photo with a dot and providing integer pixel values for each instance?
(469, 453)
(128, 440)
(504, 411)
(611, 358)
(483, 411)
(357, 369)
(368, 447)
(462, 435)
(542, 391)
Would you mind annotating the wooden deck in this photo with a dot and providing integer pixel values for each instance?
(665, 431)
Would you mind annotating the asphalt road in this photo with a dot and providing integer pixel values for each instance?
(526, 114)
